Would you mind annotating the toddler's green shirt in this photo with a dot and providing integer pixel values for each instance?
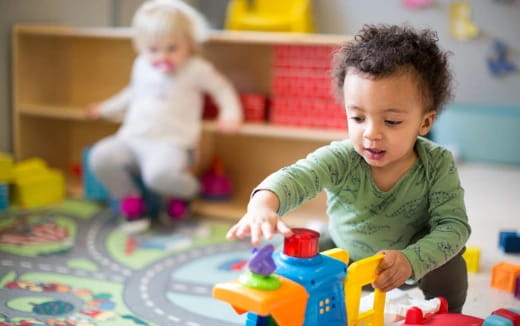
(423, 215)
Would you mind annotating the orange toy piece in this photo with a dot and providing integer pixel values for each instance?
(503, 276)
(286, 304)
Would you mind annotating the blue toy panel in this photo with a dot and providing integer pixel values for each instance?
(322, 277)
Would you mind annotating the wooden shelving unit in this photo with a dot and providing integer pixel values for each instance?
(58, 70)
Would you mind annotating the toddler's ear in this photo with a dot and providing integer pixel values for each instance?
(427, 122)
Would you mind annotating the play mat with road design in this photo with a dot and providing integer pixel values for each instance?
(69, 265)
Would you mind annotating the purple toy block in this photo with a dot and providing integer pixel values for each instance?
(262, 262)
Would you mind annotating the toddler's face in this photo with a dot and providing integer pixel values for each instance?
(385, 117)
(167, 53)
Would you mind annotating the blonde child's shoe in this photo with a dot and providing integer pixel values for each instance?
(178, 209)
(135, 226)
(132, 208)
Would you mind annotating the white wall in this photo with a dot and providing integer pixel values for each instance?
(475, 85)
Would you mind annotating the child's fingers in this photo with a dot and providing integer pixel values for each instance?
(243, 230)
(283, 228)
(231, 233)
(387, 280)
(267, 230)
(255, 234)
(385, 263)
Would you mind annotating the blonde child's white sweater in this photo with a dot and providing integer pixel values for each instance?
(168, 107)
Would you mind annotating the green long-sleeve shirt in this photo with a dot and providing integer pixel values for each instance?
(423, 215)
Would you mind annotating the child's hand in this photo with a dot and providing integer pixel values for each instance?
(260, 220)
(393, 270)
(229, 126)
(93, 111)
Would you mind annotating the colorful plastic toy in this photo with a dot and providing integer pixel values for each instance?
(314, 288)
(417, 4)
(503, 276)
(498, 62)
(36, 184)
(500, 317)
(461, 26)
(6, 176)
(472, 258)
(270, 16)
(215, 185)
(317, 289)
(509, 241)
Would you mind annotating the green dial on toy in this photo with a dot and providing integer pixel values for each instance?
(260, 282)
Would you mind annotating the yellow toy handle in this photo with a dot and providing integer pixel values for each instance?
(361, 273)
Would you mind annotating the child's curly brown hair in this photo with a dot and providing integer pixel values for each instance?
(381, 50)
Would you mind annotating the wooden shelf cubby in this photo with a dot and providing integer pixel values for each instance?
(58, 70)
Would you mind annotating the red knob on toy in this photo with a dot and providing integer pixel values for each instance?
(302, 244)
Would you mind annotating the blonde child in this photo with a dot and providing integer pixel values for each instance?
(389, 190)
(162, 109)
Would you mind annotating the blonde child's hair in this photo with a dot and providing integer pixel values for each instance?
(164, 18)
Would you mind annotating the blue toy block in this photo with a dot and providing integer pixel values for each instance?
(4, 196)
(92, 187)
(509, 241)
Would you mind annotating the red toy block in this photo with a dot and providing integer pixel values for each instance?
(503, 276)
(254, 107)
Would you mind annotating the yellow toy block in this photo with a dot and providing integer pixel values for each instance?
(30, 167)
(35, 184)
(6, 168)
(270, 15)
(472, 258)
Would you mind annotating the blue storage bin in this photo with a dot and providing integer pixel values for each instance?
(478, 133)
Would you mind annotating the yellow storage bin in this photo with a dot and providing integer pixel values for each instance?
(6, 168)
(270, 15)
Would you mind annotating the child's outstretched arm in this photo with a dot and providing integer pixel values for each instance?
(261, 219)
(110, 108)
(230, 115)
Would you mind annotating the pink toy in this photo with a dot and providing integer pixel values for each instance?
(215, 184)
(417, 4)
(132, 207)
(177, 209)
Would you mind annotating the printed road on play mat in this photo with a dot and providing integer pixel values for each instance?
(70, 265)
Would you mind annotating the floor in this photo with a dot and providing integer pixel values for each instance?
(492, 194)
